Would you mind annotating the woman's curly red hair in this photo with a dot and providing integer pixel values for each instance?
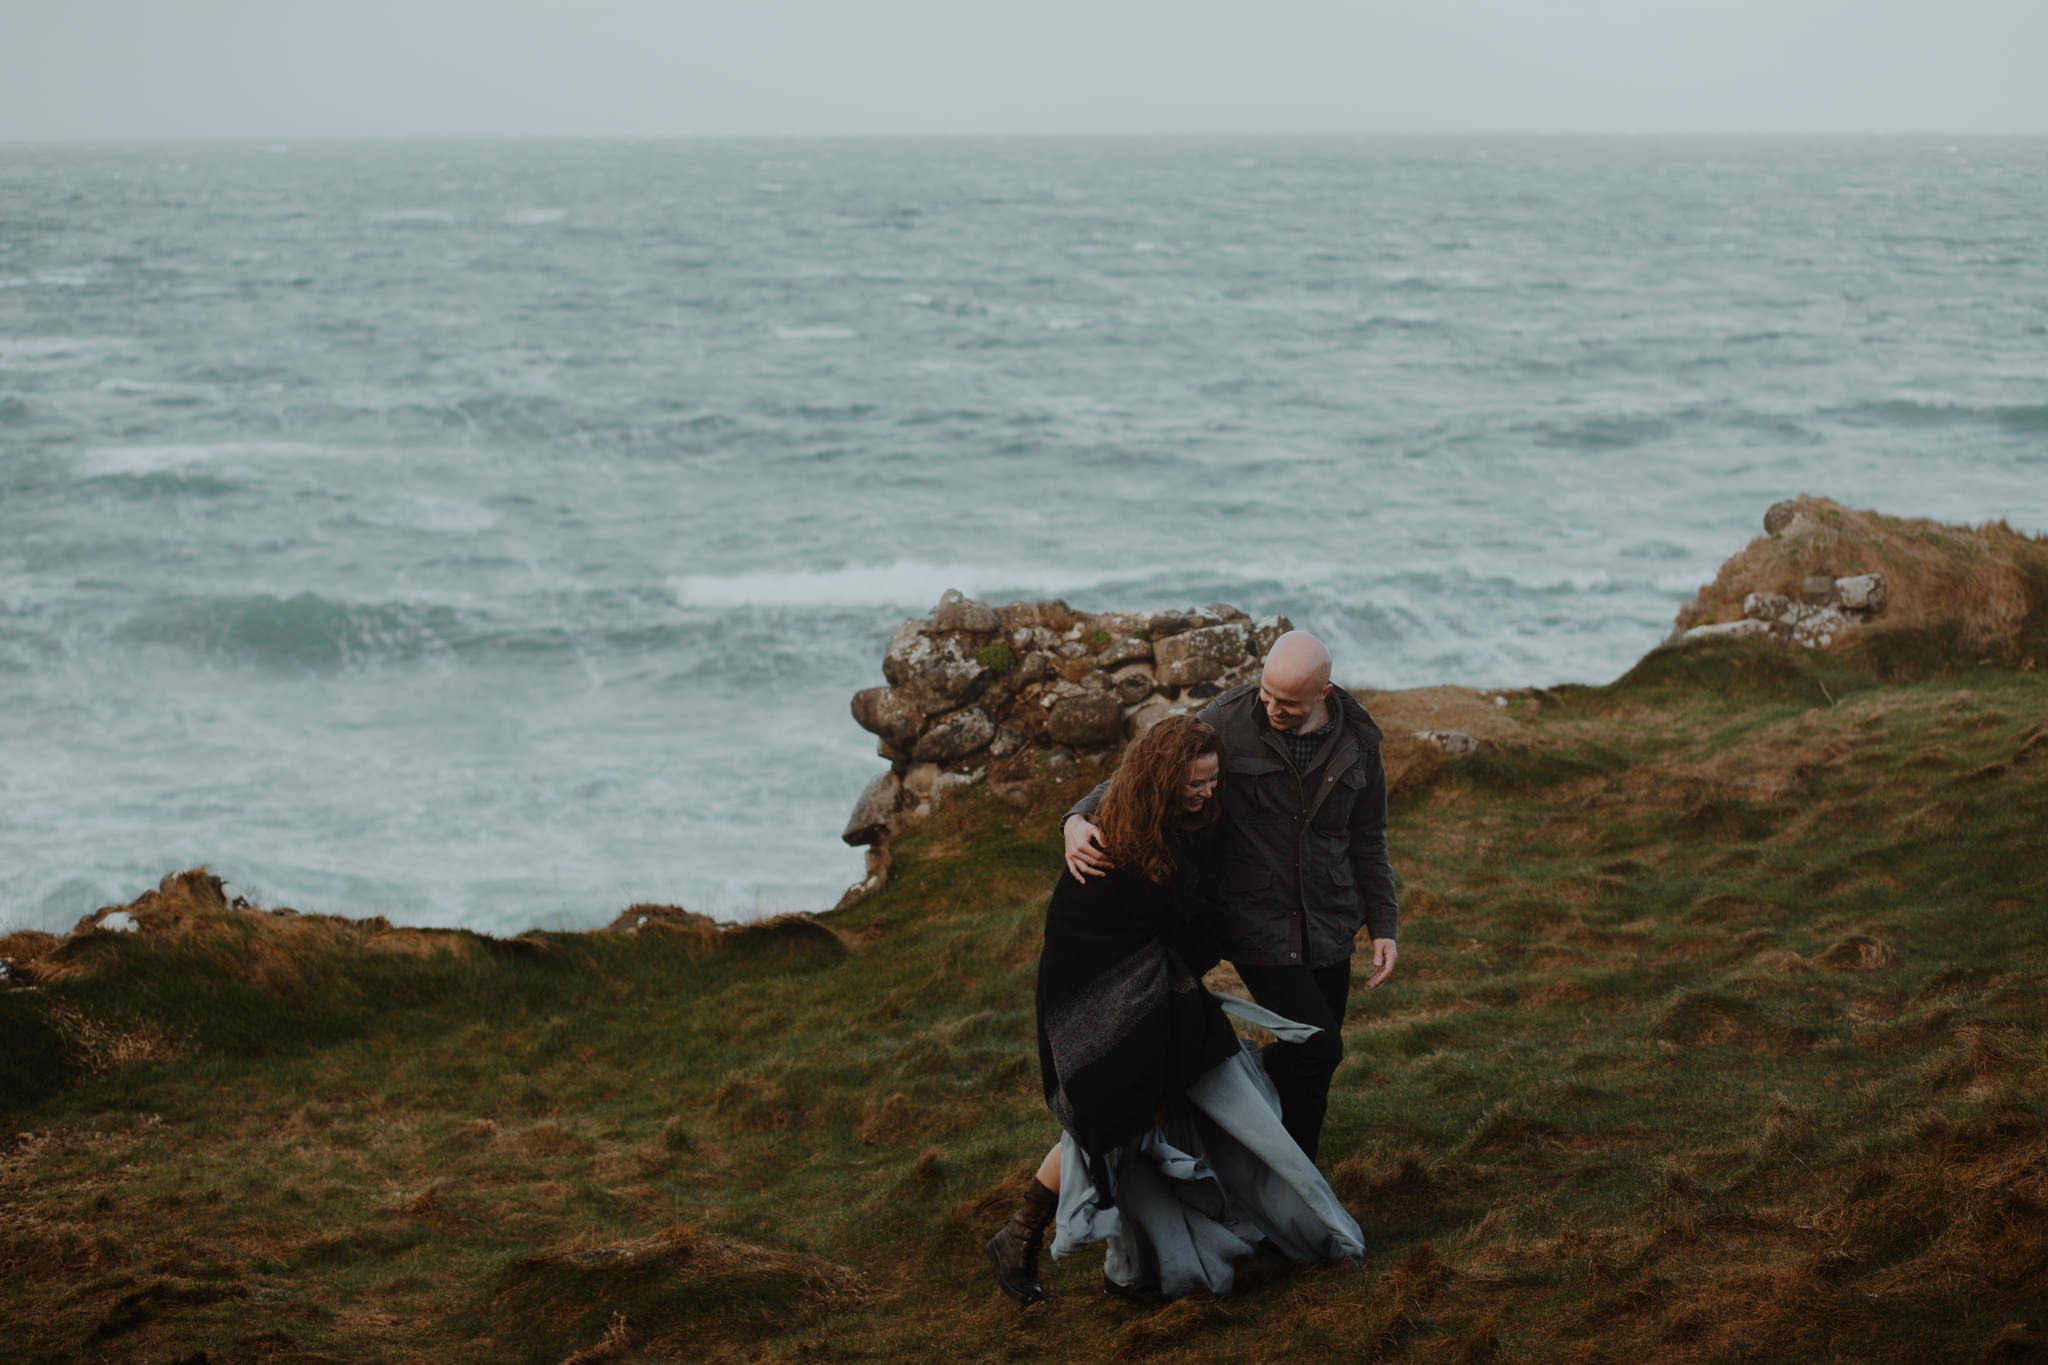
(1142, 809)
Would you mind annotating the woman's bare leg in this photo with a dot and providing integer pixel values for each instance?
(1049, 1169)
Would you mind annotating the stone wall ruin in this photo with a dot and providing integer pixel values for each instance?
(980, 694)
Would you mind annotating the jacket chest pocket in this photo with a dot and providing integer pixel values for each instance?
(1263, 790)
(1335, 812)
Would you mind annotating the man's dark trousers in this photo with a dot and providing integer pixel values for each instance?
(1301, 1071)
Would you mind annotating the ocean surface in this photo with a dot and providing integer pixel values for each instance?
(492, 534)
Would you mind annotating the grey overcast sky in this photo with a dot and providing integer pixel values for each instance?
(94, 69)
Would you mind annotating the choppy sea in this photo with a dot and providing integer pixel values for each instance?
(492, 534)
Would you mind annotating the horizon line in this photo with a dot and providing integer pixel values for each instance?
(230, 139)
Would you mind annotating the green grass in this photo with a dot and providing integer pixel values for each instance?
(1717, 1035)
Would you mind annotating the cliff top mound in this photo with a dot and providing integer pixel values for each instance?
(1904, 596)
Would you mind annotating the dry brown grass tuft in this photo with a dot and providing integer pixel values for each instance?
(1179, 1322)
(930, 1164)
(99, 1046)
(616, 1341)
(426, 1203)
(19, 951)
(1414, 1283)
(1410, 1186)
(238, 940)
(895, 1120)
(665, 919)
(688, 1288)
(550, 1138)
(1858, 952)
(1784, 1129)
(1935, 574)
(758, 1104)
(1977, 1055)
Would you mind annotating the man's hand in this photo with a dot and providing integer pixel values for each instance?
(1085, 857)
(1383, 954)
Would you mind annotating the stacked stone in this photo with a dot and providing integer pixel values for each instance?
(987, 694)
(1826, 607)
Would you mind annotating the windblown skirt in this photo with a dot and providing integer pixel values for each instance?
(1194, 1196)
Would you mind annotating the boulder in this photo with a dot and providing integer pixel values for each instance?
(1200, 655)
(1008, 741)
(1085, 719)
(932, 675)
(1117, 653)
(957, 612)
(1265, 631)
(1744, 627)
(1148, 714)
(888, 713)
(1817, 589)
(1765, 606)
(948, 783)
(1779, 516)
(869, 823)
(1454, 743)
(955, 737)
(1811, 626)
(1133, 683)
(1160, 624)
(1861, 592)
(1036, 667)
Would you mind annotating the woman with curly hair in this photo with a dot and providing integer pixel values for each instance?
(1172, 1149)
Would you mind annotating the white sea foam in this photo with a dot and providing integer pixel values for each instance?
(14, 350)
(153, 388)
(825, 333)
(909, 584)
(101, 461)
(444, 515)
(65, 279)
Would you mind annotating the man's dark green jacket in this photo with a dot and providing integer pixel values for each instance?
(1304, 854)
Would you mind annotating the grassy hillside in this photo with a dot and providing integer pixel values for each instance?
(1717, 1035)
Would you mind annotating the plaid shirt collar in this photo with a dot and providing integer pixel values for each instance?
(1303, 748)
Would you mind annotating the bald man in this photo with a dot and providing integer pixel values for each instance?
(1304, 859)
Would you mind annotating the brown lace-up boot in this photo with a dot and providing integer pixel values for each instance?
(1014, 1248)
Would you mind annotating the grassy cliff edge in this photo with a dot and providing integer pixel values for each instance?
(1718, 1034)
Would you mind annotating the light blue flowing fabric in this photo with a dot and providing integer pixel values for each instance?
(1196, 1194)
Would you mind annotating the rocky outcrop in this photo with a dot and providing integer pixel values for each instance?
(1808, 605)
(985, 694)
(1906, 596)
